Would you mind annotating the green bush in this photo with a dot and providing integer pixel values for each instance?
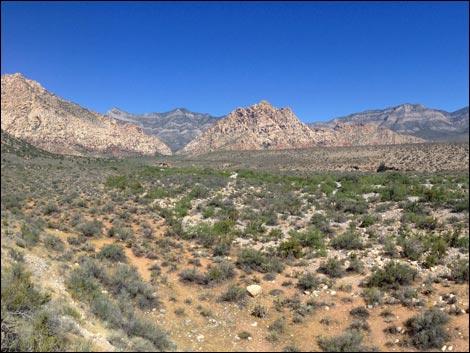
(252, 259)
(259, 311)
(427, 330)
(18, 292)
(360, 312)
(113, 253)
(233, 294)
(373, 296)
(350, 341)
(332, 267)
(459, 271)
(90, 228)
(392, 276)
(220, 272)
(412, 248)
(290, 248)
(350, 240)
(308, 281)
(53, 243)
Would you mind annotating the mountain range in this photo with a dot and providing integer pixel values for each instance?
(263, 126)
(32, 114)
(175, 128)
(413, 119)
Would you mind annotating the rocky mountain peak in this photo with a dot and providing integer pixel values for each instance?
(31, 113)
(176, 128)
(260, 126)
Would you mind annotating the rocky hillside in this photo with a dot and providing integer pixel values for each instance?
(260, 126)
(264, 127)
(10, 144)
(175, 128)
(31, 113)
(360, 134)
(413, 119)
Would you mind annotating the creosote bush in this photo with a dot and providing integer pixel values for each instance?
(427, 329)
(392, 276)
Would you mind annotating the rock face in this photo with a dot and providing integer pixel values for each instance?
(34, 115)
(360, 134)
(260, 126)
(175, 128)
(413, 119)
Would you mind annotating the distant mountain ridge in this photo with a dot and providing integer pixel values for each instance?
(413, 119)
(263, 126)
(32, 114)
(175, 128)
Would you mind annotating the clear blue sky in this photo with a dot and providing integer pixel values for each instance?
(322, 59)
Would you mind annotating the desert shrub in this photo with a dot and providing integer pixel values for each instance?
(40, 335)
(412, 248)
(360, 312)
(406, 295)
(308, 281)
(106, 310)
(355, 264)
(30, 233)
(90, 228)
(373, 296)
(350, 240)
(359, 325)
(459, 271)
(393, 275)
(278, 325)
(208, 212)
(389, 248)
(244, 335)
(427, 329)
(290, 248)
(233, 294)
(393, 192)
(113, 253)
(332, 267)
(350, 341)
(50, 208)
(221, 272)
(18, 292)
(125, 281)
(259, 311)
(368, 220)
(53, 243)
(252, 259)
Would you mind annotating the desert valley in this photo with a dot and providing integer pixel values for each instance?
(252, 231)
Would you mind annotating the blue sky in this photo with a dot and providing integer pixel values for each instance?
(322, 59)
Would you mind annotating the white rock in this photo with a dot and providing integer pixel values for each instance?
(200, 338)
(333, 292)
(254, 290)
(254, 324)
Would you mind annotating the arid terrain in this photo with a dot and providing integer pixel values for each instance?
(362, 248)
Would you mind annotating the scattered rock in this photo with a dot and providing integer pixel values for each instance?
(254, 290)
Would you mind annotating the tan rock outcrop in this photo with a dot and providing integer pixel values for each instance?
(260, 126)
(32, 114)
